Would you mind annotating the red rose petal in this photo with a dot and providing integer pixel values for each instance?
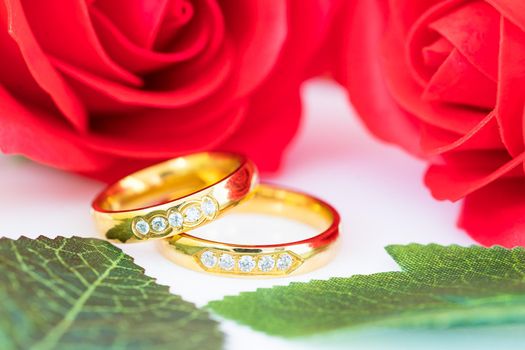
(404, 13)
(454, 80)
(513, 10)
(253, 133)
(140, 60)
(275, 109)
(134, 123)
(485, 135)
(139, 20)
(363, 76)
(420, 36)
(495, 214)
(167, 136)
(466, 172)
(408, 94)
(474, 30)
(307, 33)
(191, 84)
(179, 18)
(435, 54)
(510, 104)
(328, 57)
(37, 65)
(258, 32)
(43, 138)
(231, 128)
(78, 44)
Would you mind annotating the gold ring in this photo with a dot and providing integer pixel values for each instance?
(272, 260)
(174, 196)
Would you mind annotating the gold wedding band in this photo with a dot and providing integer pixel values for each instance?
(174, 196)
(264, 260)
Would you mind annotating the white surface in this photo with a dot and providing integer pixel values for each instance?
(377, 189)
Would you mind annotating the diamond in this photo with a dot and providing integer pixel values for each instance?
(209, 207)
(176, 219)
(142, 227)
(284, 262)
(246, 263)
(266, 263)
(208, 259)
(159, 224)
(192, 214)
(226, 262)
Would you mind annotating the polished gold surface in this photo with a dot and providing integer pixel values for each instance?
(174, 196)
(270, 260)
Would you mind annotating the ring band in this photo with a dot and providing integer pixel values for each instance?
(264, 260)
(174, 196)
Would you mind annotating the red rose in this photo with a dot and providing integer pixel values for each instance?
(445, 80)
(104, 87)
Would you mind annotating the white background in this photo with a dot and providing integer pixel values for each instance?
(377, 189)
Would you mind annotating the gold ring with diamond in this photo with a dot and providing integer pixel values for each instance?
(174, 196)
(274, 260)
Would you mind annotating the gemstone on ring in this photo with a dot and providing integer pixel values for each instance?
(266, 263)
(246, 263)
(209, 207)
(226, 262)
(284, 262)
(192, 214)
(176, 220)
(142, 227)
(159, 224)
(209, 259)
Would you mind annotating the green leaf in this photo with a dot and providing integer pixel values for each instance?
(78, 293)
(438, 287)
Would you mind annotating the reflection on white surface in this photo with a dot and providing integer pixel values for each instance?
(377, 189)
(489, 338)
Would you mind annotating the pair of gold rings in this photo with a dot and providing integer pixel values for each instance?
(168, 200)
